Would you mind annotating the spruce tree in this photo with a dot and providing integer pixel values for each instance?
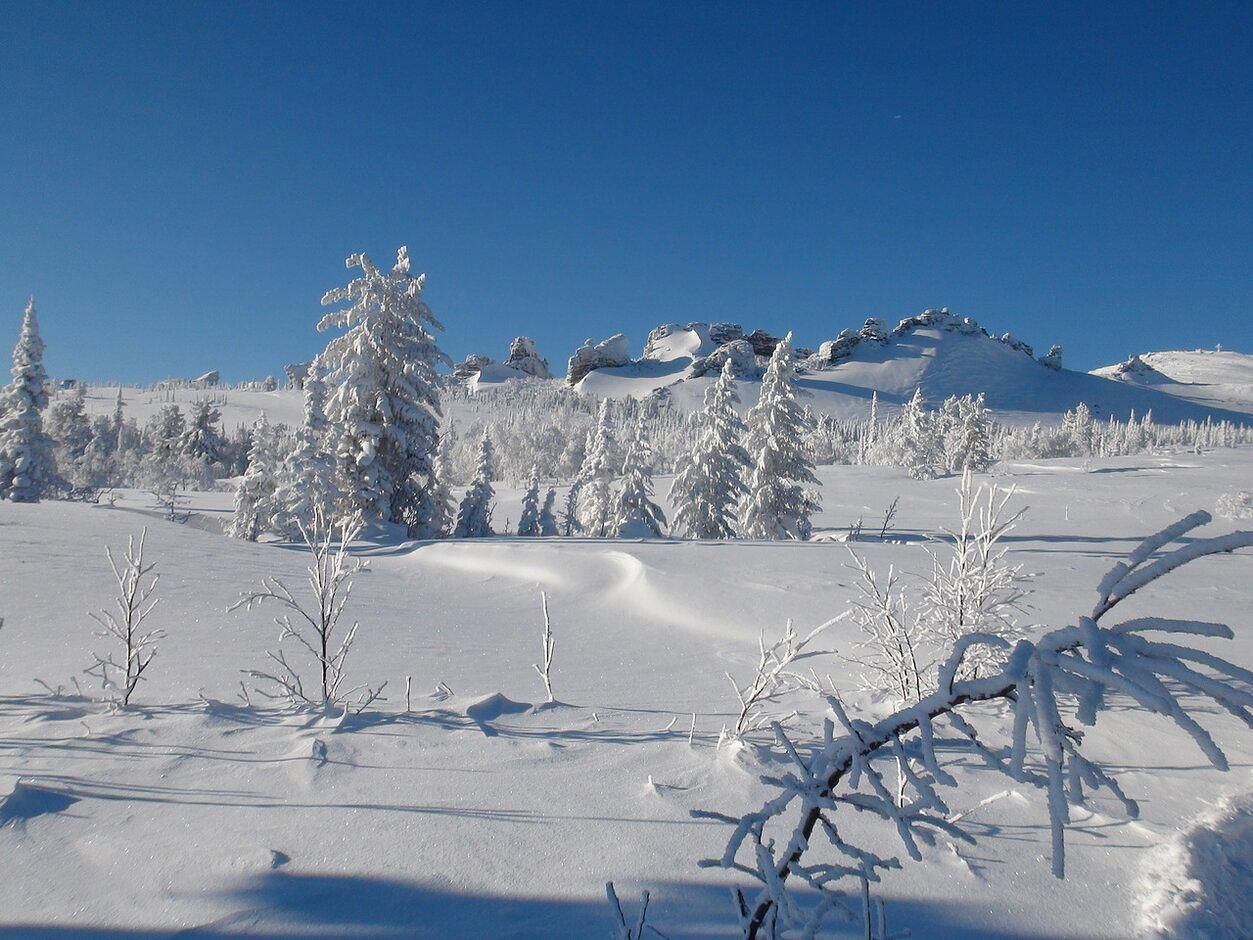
(709, 480)
(779, 500)
(474, 517)
(547, 515)
(27, 468)
(920, 440)
(600, 467)
(254, 497)
(385, 409)
(636, 515)
(307, 494)
(528, 522)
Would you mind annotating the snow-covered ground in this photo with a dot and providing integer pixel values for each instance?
(470, 816)
(1218, 378)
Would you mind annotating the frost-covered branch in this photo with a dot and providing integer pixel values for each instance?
(550, 643)
(774, 678)
(1079, 665)
(312, 626)
(630, 930)
(126, 630)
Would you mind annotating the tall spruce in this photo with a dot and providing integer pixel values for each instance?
(779, 501)
(27, 467)
(385, 409)
(709, 480)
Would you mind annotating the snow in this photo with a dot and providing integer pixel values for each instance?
(1205, 376)
(194, 811)
(942, 363)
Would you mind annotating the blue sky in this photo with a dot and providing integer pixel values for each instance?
(179, 184)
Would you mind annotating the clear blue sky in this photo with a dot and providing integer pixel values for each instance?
(179, 183)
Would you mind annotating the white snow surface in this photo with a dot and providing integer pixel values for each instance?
(940, 362)
(478, 814)
(1210, 377)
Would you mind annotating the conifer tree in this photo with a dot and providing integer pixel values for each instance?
(70, 429)
(636, 515)
(528, 522)
(385, 408)
(474, 517)
(308, 493)
(919, 439)
(27, 469)
(779, 500)
(600, 467)
(254, 497)
(547, 516)
(709, 480)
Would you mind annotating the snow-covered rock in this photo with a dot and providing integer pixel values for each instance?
(1053, 358)
(591, 355)
(744, 361)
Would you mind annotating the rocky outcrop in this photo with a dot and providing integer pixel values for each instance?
(1053, 358)
(744, 362)
(296, 373)
(524, 358)
(762, 342)
(605, 354)
(471, 365)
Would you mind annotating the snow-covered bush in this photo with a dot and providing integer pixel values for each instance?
(1071, 671)
(775, 678)
(125, 631)
(313, 626)
(1237, 505)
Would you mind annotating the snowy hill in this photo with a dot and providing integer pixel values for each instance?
(938, 352)
(1205, 376)
(239, 407)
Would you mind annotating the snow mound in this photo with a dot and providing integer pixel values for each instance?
(490, 707)
(1198, 884)
(28, 801)
(1205, 376)
(1135, 369)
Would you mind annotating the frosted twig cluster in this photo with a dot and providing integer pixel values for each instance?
(796, 835)
(637, 929)
(135, 643)
(313, 625)
(775, 678)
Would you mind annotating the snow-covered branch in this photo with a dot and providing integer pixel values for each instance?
(312, 626)
(1078, 665)
(134, 602)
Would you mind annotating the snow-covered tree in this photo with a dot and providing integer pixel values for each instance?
(600, 467)
(920, 439)
(709, 479)
(779, 500)
(570, 511)
(443, 502)
(636, 515)
(202, 440)
(547, 515)
(528, 522)
(27, 468)
(70, 429)
(474, 517)
(1077, 425)
(254, 497)
(385, 408)
(308, 490)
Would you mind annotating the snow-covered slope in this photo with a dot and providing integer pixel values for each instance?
(944, 357)
(1207, 377)
(238, 406)
(461, 817)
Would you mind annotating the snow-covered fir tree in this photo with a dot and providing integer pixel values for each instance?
(968, 441)
(202, 441)
(596, 476)
(70, 429)
(254, 497)
(709, 479)
(570, 524)
(779, 498)
(474, 517)
(920, 440)
(308, 491)
(636, 515)
(528, 522)
(27, 468)
(547, 515)
(443, 502)
(385, 408)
